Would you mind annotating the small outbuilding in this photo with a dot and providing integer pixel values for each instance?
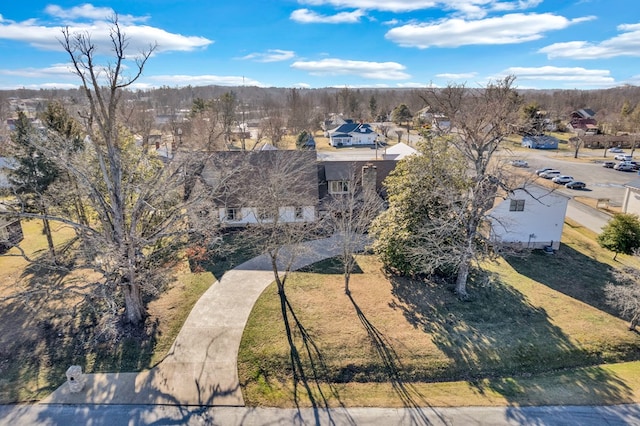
(529, 218)
(540, 142)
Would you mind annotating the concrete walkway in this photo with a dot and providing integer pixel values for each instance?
(201, 367)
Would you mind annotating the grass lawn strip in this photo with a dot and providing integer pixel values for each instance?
(535, 318)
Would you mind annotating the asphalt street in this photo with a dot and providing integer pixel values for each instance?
(115, 415)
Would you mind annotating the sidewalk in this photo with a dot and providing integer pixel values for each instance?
(201, 367)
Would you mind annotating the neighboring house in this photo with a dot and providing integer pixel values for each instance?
(10, 231)
(584, 119)
(529, 218)
(631, 200)
(434, 120)
(398, 151)
(243, 181)
(350, 134)
(540, 142)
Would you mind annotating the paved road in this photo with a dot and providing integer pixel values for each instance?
(115, 415)
(587, 216)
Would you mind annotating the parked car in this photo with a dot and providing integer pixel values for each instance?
(519, 163)
(626, 164)
(609, 164)
(550, 174)
(546, 169)
(615, 149)
(622, 157)
(562, 179)
(623, 167)
(576, 184)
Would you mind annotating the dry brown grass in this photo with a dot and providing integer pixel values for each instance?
(405, 343)
(44, 328)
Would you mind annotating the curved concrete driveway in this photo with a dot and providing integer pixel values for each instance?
(201, 367)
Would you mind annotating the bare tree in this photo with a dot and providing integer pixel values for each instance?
(140, 214)
(280, 193)
(480, 120)
(577, 142)
(625, 295)
(351, 213)
(272, 123)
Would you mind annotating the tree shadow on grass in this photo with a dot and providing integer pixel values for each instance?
(498, 340)
(308, 368)
(331, 266)
(49, 324)
(558, 272)
(408, 394)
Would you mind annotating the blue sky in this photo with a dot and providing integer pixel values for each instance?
(561, 44)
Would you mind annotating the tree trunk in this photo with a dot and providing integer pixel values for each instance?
(276, 274)
(133, 305)
(461, 279)
(47, 232)
(347, 278)
(634, 322)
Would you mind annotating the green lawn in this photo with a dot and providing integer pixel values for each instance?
(536, 332)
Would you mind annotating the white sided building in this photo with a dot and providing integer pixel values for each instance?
(532, 217)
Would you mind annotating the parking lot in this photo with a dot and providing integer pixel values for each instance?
(601, 182)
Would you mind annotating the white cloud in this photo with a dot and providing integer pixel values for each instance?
(470, 8)
(460, 76)
(507, 29)
(89, 11)
(373, 70)
(271, 55)
(46, 36)
(570, 75)
(625, 44)
(306, 16)
(54, 71)
(301, 85)
(202, 80)
(415, 85)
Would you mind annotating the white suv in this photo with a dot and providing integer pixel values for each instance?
(622, 157)
(549, 174)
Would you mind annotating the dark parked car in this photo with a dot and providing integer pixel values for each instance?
(576, 185)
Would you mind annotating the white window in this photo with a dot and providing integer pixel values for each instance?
(516, 206)
(338, 187)
(233, 214)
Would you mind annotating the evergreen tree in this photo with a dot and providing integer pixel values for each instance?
(621, 234)
(33, 174)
